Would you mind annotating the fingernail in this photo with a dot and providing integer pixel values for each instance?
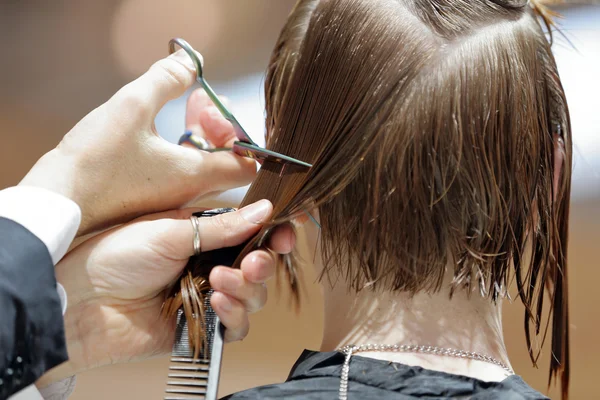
(263, 260)
(181, 56)
(291, 242)
(184, 58)
(257, 212)
(214, 113)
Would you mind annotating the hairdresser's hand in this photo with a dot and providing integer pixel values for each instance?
(115, 284)
(116, 167)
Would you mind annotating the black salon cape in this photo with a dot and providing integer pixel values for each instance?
(317, 376)
(32, 338)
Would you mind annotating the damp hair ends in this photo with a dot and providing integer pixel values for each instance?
(431, 136)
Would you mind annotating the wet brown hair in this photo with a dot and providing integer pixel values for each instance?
(431, 126)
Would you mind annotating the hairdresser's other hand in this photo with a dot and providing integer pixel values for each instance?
(115, 284)
(116, 167)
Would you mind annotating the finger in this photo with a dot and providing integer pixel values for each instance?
(283, 239)
(232, 283)
(167, 79)
(216, 128)
(232, 314)
(197, 102)
(258, 266)
(233, 228)
(204, 119)
(232, 170)
(175, 236)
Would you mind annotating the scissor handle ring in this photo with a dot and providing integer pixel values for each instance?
(250, 148)
(190, 52)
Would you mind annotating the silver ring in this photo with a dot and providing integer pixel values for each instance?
(196, 226)
(197, 141)
(200, 142)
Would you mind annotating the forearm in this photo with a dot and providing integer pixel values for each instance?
(59, 382)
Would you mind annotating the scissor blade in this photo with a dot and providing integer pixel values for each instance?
(260, 154)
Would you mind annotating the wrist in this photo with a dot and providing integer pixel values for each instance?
(57, 374)
(59, 173)
(82, 335)
(74, 364)
(53, 172)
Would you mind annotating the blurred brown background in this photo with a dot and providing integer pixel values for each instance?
(62, 58)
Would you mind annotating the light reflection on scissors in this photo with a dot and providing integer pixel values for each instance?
(244, 146)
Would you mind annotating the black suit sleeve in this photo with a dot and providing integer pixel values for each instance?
(32, 338)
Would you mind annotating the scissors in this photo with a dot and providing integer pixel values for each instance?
(244, 146)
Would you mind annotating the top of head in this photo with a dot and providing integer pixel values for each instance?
(434, 105)
(343, 71)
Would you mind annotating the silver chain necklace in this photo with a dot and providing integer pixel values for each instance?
(351, 349)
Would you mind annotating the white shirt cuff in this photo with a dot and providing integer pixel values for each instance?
(53, 218)
(60, 390)
(29, 393)
(63, 297)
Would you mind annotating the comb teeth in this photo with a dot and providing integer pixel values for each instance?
(195, 378)
(187, 379)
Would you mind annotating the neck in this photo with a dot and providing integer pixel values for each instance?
(463, 323)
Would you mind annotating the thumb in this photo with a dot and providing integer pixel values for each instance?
(167, 79)
(225, 230)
